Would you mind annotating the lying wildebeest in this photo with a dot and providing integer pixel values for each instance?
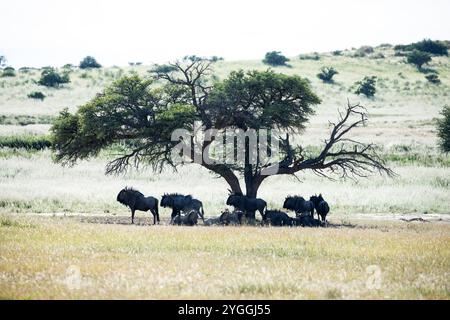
(179, 202)
(321, 206)
(276, 218)
(247, 205)
(188, 219)
(305, 221)
(299, 205)
(135, 200)
(225, 218)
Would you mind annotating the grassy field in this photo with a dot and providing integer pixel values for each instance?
(61, 224)
(53, 258)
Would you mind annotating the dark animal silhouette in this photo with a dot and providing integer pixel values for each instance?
(188, 219)
(322, 207)
(305, 221)
(248, 205)
(232, 218)
(181, 203)
(299, 205)
(135, 200)
(276, 218)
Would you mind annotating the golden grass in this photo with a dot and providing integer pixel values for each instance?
(50, 258)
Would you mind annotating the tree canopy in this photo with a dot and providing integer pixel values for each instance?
(138, 117)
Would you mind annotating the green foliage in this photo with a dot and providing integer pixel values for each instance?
(314, 56)
(36, 95)
(261, 99)
(89, 63)
(129, 111)
(337, 52)
(366, 86)
(163, 68)
(443, 127)
(433, 78)
(326, 74)
(9, 72)
(51, 78)
(418, 58)
(28, 142)
(275, 58)
(2, 60)
(438, 48)
(363, 51)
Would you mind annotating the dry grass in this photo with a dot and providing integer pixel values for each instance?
(62, 259)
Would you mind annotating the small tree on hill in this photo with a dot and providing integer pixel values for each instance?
(418, 58)
(51, 78)
(89, 62)
(326, 74)
(275, 58)
(366, 86)
(443, 127)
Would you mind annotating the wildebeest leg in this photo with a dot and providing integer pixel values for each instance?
(154, 215)
(132, 216)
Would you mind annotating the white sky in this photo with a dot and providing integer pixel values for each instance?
(55, 32)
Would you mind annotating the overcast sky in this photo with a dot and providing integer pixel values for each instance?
(55, 32)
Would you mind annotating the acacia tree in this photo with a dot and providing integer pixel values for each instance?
(138, 117)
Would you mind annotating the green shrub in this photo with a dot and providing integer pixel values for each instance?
(326, 74)
(36, 95)
(9, 72)
(366, 86)
(438, 48)
(29, 142)
(314, 56)
(337, 52)
(89, 63)
(275, 58)
(433, 78)
(51, 78)
(443, 127)
(418, 58)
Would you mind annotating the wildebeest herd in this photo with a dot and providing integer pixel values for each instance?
(186, 210)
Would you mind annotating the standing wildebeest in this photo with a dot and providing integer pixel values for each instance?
(137, 201)
(276, 218)
(247, 205)
(299, 205)
(179, 202)
(321, 206)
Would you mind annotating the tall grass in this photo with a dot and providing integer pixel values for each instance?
(29, 142)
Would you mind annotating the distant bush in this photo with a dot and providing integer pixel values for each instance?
(2, 60)
(337, 52)
(443, 127)
(418, 58)
(68, 66)
(25, 69)
(366, 86)
(363, 51)
(433, 78)
(36, 95)
(163, 68)
(326, 74)
(313, 56)
(51, 78)
(377, 55)
(216, 58)
(29, 142)
(89, 63)
(275, 58)
(438, 48)
(9, 72)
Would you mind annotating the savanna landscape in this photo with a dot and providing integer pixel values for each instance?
(63, 235)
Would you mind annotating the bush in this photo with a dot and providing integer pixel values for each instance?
(433, 78)
(366, 86)
(36, 95)
(337, 52)
(438, 48)
(433, 47)
(326, 74)
(363, 51)
(51, 78)
(314, 56)
(418, 58)
(89, 62)
(443, 127)
(9, 72)
(29, 142)
(275, 58)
